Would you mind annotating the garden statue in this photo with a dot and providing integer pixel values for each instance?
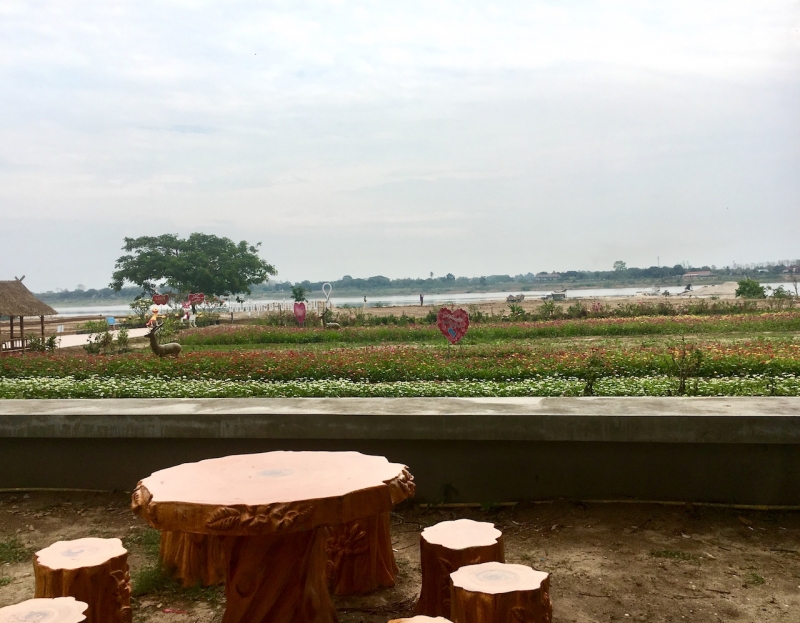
(300, 313)
(154, 318)
(173, 349)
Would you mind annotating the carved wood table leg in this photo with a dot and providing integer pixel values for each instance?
(91, 570)
(446, 547)
(360, 555)
(192, 558)
(499, 593)
(277, 579)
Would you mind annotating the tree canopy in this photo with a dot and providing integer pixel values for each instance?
(750, 289)
(200, 263)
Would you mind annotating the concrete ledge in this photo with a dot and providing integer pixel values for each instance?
(729, 450)
(662, 420)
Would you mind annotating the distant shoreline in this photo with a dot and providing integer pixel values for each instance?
(519, 287)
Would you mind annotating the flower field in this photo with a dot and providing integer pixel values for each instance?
(720, 358)
(485, 333)
(100, 387)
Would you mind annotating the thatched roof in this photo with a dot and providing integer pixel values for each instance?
(17, 300)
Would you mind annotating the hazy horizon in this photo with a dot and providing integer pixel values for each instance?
(362, 138)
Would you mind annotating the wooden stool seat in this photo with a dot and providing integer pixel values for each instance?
(58, 610)
(494, 592)
(446, 547)
(91, 570)
(192, 558)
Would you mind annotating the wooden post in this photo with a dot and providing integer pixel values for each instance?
(446, 547)
(91, 570)
(12, 331)
(22, 331)
(42, 319)
(494, 592)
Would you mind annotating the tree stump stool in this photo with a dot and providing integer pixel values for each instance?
(58, 610)
(192, 558)
(90, 570)
(359, 555)
(421, 618)
(494, 592)
(446, 547)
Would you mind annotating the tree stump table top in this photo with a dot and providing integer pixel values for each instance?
(58, 610)
(88, 552)
(462, 534)
(497, 577)
(421, 618)
(271, 492)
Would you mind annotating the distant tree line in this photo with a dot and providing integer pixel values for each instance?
(620, 273)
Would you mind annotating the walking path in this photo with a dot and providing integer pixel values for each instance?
(66, 341)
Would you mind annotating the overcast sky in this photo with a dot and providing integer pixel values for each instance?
(401, 138)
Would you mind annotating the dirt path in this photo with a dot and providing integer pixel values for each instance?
(609, 562)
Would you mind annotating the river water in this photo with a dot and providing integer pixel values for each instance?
(464, 298)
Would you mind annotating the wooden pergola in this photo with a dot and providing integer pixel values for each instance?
(16, 301)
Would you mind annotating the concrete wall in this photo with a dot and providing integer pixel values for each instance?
(731, 450)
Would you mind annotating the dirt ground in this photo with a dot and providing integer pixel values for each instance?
(608, 562)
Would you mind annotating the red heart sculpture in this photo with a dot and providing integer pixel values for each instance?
(160, 299)
(300, 312)
(452, 324)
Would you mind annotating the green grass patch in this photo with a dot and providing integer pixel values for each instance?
(147, 541)
(152, 579)
(672, 554)
(12, 550)
(753, 578)
(5, 581)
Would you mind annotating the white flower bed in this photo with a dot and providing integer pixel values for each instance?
(97, 387)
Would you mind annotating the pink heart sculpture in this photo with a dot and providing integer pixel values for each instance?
(452, 324)
(300, 312)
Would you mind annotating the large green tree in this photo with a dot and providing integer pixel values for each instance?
(200, 263)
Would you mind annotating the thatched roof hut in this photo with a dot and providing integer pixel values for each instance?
(17, 300)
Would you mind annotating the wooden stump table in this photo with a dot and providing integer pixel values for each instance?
(446, 547)
(192, 558)
(359, 555)
(270, 510)
(494, 592)
(90, 570)
(58, 610)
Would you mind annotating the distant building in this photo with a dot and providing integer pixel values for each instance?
(697, 273)
(792, 270)
(547, 277)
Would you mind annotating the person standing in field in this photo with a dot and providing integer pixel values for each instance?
(421, 299)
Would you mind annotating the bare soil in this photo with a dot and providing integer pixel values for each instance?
(608, 562)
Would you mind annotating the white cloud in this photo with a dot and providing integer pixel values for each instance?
(451, 122)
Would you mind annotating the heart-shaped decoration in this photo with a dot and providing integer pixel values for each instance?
(160, 299)
(326, 290)
(300, 312)
(453, 324)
